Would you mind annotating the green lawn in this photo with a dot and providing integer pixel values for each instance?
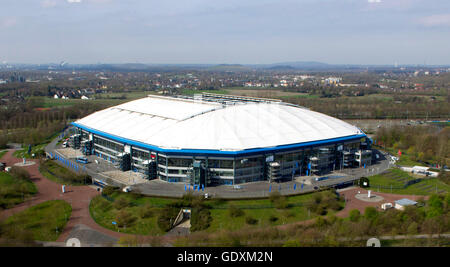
(103, 212)
(23, 153)
(262, 210)
(57, 173)
(44, 222)
(14, 191)
(427, 186)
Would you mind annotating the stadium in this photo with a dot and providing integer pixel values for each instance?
(211, 139)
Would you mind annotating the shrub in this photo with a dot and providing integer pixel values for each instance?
(120, 203)
(413, 228)
(251, 220)
(354, 215)
(281, 203)
(102, 203)
(235, 211)
(146, 211)
(288, 213)
(109, 190)
(128, 241)
(124, 218)
(435, 206)
(167, 217)
(320, 222)
(19, 173)
(370, 213)
(200, 219)
(273, 218)
(274, 196)
(292, 243)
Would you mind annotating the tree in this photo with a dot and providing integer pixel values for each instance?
(235, 211)
(413, 228)
(435, 206)
(120, 203)
(370, 213)
(146, 211)
(124, 218)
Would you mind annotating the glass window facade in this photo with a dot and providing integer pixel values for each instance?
(224, 170)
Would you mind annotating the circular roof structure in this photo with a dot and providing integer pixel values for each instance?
(173, 123)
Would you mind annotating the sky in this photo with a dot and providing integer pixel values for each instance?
(225, 31)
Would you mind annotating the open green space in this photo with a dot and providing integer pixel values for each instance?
(14, 190)
(42, 222)
(23, 153)
(397, 179)
(264, 211)
(105, 212)
(216, 214)
(61, 175)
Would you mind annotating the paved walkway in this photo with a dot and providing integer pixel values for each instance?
(79, 198)
(351, 203)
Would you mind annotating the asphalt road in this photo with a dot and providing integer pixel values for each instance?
(249, 190)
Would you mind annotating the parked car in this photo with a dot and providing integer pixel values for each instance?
(127, 189)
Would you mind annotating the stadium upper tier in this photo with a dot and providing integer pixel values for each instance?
(176, 123)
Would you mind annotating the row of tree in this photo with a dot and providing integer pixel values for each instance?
(422, 143)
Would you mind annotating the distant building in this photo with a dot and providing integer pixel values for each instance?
(333, 80)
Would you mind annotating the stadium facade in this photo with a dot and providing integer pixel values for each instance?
(220, 139)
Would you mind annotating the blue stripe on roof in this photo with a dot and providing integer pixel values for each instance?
(215, 152)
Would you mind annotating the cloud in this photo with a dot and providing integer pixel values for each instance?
(436, 20)
(374, 1)
(8, 22)
(73, 1)
(48, 3)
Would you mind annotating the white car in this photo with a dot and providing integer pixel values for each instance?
(127, 189)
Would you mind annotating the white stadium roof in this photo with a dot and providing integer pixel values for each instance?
(173, 123)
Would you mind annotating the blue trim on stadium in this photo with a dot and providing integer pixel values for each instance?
(219, 153)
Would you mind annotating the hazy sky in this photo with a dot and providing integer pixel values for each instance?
(225, 31)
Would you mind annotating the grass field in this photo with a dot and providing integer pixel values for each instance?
(263, 210)
(104, 213)
(57, 173)
(14, 191)
(44, 222)
(397, 178)
(23, 153)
